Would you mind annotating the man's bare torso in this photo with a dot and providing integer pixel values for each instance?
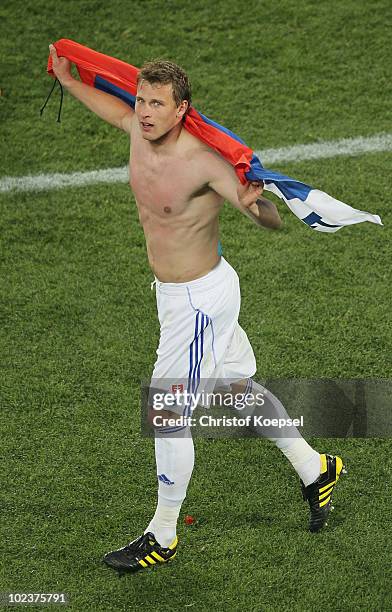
(177, 209)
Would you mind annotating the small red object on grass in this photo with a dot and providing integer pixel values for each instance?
(189, 520)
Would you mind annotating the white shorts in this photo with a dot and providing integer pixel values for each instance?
(201, 341)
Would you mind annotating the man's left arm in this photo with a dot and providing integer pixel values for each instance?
(247, 198)
(265, 213)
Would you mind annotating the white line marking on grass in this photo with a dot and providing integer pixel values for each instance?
(346, 146)
(334, 148)
(57, 180)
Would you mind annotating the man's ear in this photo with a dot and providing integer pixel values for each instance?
(181, 110)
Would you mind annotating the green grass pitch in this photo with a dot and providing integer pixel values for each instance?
(79, 327)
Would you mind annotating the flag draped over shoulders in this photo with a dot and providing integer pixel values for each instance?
(317, 209)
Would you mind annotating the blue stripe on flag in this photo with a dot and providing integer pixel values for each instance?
(289, 187)
(108, 87)
(292, 189)
(315, 218)
(221, 128)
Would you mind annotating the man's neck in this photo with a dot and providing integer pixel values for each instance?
(166, 143)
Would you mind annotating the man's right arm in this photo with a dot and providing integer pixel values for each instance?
(110, 108)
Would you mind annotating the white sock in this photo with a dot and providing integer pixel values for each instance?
(164, 522)
(304, 459)
(174, 453)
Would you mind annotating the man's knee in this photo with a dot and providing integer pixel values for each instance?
(240, 386)
(225, 396)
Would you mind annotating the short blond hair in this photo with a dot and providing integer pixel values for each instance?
(165, 72)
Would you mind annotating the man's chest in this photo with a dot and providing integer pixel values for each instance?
(164, 182)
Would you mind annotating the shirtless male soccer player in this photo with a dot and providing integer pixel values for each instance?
(180, 185)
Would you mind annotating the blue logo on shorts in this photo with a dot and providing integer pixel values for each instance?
(163, 478)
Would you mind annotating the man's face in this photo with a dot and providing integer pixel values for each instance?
(156, 109)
